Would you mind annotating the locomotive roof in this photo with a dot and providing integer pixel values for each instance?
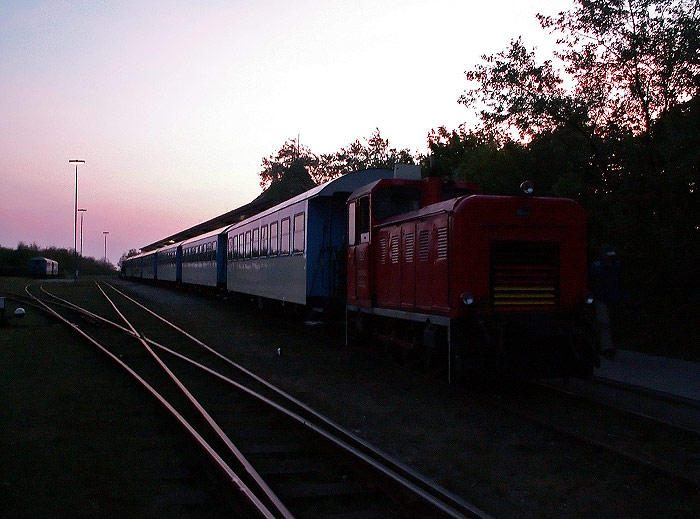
(448, 206)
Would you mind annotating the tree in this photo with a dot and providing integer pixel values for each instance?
(641, 56)
(291, 162)
(516, 92)
(301, 168)
(375, 153)
(629, 61)
(126, 255)
(632, 60)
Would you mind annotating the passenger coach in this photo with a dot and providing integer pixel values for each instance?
(43, 267)
(293, 252)
(204, 260)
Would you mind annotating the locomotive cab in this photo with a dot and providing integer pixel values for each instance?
(377, 203)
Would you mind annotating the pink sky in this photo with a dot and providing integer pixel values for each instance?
(173, 104)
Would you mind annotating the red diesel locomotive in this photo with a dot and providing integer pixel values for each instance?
(476, 285)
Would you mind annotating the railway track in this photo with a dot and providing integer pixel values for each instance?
(664, 408)
(656, 432)
(283, 458)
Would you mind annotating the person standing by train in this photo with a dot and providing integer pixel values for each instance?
(605, 282)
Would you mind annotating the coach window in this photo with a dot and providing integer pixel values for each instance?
(213, 251)
(299, 232)
(284, 235)
(240, 247)
(274, 243)
(234, 247)
(256, 242)
(263, 241)
(247, 244)
(362, 220)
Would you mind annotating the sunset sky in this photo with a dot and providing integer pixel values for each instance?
(172, 105)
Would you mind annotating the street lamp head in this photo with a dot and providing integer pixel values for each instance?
(76, 160)
(82, 210)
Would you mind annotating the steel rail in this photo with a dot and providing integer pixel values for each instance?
(647, 391)
(455, 506)
(260, 483)
(394, 469)
(639, 391)
(234, 478)
(622, 453)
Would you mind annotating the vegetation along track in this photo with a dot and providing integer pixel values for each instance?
(648, 439)
(282, 456)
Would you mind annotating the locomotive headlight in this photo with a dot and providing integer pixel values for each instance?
(467, 299)
(527, 188)
(588, 299)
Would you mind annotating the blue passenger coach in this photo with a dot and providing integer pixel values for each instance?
(293, 252)
(204, 259)
(169, 261)
(43, 267)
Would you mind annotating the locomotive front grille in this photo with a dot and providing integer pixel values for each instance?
(524, 274)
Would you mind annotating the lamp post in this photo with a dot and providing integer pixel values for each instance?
(75, 228)
(81, 211)
(105, 233)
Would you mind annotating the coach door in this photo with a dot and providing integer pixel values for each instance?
(359, 252)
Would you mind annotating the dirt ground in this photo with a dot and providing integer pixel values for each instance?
(498, 462)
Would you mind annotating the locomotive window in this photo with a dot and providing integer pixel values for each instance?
(362, 220)
(351, 223)
(274, 244)
(390, 201)
(256, 242)
(299, 232)
(284, 237)
(263, 241)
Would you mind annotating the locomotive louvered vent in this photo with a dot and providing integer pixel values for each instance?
(524, 274)
(442, 243)
(423, 245)
(382, 250)
(409, 246)
(394, 249)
